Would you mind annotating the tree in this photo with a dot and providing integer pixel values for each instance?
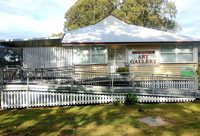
(156, 14)
(87, 12)
(60, 34)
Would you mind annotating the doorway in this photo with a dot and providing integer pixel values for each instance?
(116, 58)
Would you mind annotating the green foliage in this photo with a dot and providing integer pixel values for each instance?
(88, 12)
(60, 34)
(157, 14)
(122, 69)
(198, 70)
(117, 102)
(130, 99)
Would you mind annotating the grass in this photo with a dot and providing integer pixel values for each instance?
(107, 120)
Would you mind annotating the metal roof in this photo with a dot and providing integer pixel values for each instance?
(33, 42)
(113, 30)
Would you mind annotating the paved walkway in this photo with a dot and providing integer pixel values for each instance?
(157, 121)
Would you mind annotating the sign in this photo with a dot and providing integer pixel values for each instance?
(187, 71)
(142, 57)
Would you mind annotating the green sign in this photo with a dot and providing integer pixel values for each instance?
(187, 71)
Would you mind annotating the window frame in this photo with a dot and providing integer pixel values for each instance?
(177, 51)
(91, 53)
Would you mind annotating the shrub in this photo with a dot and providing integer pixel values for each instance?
(117, 102)
(198, 71)
(130, 99)
(122, 69)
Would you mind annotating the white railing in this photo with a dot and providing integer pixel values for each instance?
(70, 76)
(25, 99)
(165, 82)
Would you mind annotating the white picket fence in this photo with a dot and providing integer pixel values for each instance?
(22, 99)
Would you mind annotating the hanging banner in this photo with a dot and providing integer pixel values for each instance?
(142, 57)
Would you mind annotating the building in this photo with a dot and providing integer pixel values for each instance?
(84, 62)
(113, 43)
(109, 44)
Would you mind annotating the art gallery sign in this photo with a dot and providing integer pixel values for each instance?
(143, 57)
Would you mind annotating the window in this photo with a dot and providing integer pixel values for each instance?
(98, 54)
(82, 55)
(111, 54)
(168, 54)
(176, 53)
(168, 57)
(87, 55)
(168, 49)
(185, 57)
(185, 53)
(117, 54)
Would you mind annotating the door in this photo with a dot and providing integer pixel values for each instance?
(116, 58)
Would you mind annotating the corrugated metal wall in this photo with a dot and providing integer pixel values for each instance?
(47, 57)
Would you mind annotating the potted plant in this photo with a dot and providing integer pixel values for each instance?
(123, 71)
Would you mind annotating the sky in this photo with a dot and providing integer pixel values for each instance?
(21, 19)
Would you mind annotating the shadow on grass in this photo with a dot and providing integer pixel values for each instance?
(101, 119)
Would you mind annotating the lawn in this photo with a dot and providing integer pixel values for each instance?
(108, 120)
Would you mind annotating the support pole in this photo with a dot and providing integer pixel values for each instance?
(152, 84)
(1, 99)
(1, 87)
(72, 77)
(42, 75)
(112, 81)
(133, 81)
(196, 87)
(27, 91)
(1, 78)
